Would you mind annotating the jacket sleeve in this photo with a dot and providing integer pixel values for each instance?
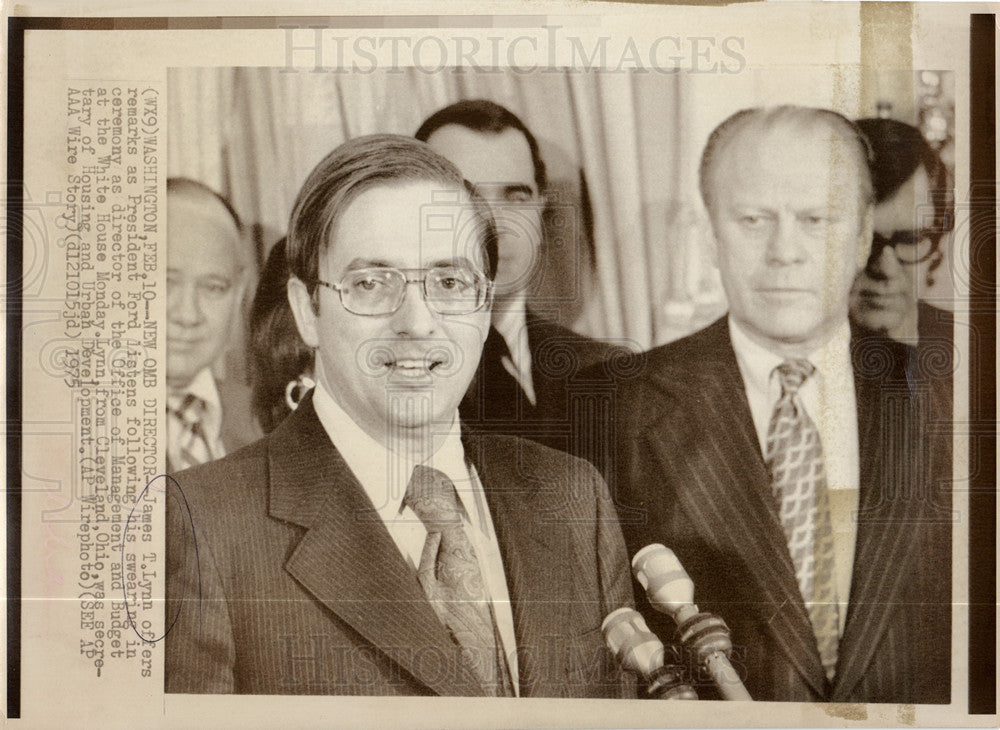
(200, 652)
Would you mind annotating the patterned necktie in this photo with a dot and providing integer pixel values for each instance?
(191, 447)
(449, 574)
(795, 460)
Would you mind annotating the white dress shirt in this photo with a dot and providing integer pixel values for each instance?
(828, 397)
(384, 475)
(201, 386)
(510, 320)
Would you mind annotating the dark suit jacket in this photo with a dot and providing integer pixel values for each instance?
(239, 427)
(496, 404)
(690, 474)
(291, 583)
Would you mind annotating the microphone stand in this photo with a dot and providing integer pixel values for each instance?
(638, 649)
(670, 590)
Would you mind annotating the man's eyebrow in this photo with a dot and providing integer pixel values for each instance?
(458, 262)
(360, 263)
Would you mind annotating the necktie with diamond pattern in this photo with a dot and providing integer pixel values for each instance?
(798, 478)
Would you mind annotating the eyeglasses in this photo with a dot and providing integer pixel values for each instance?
(380, 291)
(910, 247)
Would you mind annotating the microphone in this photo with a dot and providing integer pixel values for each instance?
(637, 649)
(671, 591)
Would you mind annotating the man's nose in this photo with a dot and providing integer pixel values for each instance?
(784, 246)
(883, 264)
(183, 305)
(414, 318)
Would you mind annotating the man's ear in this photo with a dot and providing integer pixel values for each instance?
(302, 309)
(866, 235)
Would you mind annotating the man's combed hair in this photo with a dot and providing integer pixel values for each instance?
(769, 117)
(483, 115)
(358, 165)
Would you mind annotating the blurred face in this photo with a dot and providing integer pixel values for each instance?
(500, 167)
(791, 233)
(204, 285)
(395, 374)
(885, 295)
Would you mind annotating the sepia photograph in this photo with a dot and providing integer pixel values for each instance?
(691, 397)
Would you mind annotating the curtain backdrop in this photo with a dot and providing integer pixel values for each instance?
(625, 252)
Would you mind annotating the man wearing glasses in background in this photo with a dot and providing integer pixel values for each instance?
(367, 545)
(914, 210)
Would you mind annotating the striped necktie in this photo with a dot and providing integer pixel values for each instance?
(798, 478)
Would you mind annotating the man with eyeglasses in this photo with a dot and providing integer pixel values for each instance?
(914, 211)
(367, 545)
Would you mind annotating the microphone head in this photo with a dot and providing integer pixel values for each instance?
(630, 640)
(667, 585)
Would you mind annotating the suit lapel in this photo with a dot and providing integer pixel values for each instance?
(349, 562)
(525, 538)
(730, 503)
(887, 518)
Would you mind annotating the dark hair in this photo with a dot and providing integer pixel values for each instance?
(276, 354)
(356, 166)
(483, 115)
(800, 115)
(898, 151)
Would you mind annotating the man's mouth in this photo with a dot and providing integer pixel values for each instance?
(413, 366)
(180, 344)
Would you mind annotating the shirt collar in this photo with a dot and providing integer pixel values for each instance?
(757, 363)
(384, 473)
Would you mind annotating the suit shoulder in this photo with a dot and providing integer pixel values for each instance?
(555, 340)
(677, 364)
(525, 458)
(877, 357)
(224, 480)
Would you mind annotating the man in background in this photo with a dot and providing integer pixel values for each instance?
(529, 360)
(914, 210)
(208, 268)
(775, 450)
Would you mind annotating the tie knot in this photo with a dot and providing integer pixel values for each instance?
(432, 496)
(792, 374)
